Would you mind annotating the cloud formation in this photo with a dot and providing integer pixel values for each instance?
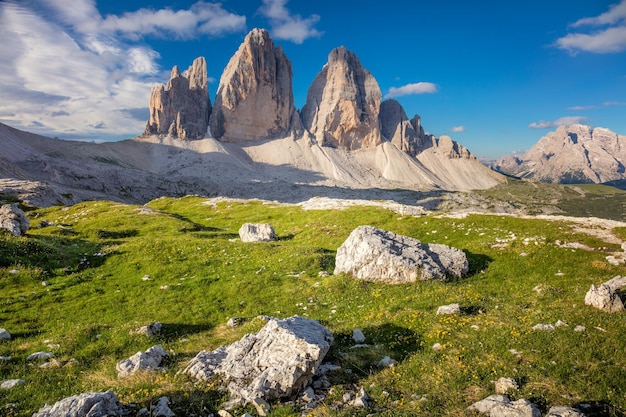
(457, 129)
(285, 26)
(561, 121)
(65, 68)
(606, 33)
(411, 89)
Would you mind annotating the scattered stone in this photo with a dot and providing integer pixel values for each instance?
(11, 383)
(5, 358)
(606, 296)
(486, 405)
(449, 309)
(308, 395)
(13, 219)
(560, 411)
(580, 328)
(545, 327)
(361, 399)
(560, 323)
(387, 362)
(358, 336)
(262, 406)
(91, 404)
(277, 362)
(326, 368)
(4, 335)
(437, 346)
(148, 330)
(505, 384)
(146, 278)
(501, 406)
(40, 356)
(259, 232)
(162, 409)
(376, 255)
(150, 360)
(224, 413)
(14, 271)
(235, 322)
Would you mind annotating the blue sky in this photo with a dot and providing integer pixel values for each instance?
(495, 75)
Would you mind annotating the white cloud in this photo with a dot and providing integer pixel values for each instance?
(614, 103)
(562, 121)
(410, 89)
(67, 71)
(578, 108)
(457, 129)
(607, 35)
(285, 26)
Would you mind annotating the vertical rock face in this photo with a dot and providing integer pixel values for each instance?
(181, 108)
(343, 104)
(407, 135)
(255, 98)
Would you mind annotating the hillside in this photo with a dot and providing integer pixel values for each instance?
(109, 268)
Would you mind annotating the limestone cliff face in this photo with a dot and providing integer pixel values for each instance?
(181, 108)
(407, 135)
(343, 104)
(255, 98)
(571, 154)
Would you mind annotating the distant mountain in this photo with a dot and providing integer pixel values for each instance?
(571, 154)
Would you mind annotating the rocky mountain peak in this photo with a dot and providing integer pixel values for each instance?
(343, 104)
(181, 108)
(572, 154)
(255, 98)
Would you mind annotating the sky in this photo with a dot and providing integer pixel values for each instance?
(495, 75)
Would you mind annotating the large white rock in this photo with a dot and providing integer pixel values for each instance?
(150, 360)
(11, 383)
(372, 254)
(605, 296)
(277, 362)
(13, 219)
(501, 406)
(257, 232)
(90, 404)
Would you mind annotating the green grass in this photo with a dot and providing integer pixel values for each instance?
(95, 254)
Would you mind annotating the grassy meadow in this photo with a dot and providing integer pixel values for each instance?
(74, 286)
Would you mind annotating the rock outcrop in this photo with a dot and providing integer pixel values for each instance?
(407, 135)
(606, 296)
(13, 220)
(502, 406)
(91, 404)
(150, 360)
(182, 107)
(277, 362)
(255, 98)
(257, 232)
(377, 255)
(343, 104)
(571, 154)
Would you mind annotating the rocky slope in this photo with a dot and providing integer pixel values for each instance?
(571, 154)
(181, 108)
(255, 99)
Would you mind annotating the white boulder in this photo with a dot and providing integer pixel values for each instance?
(90, 404)
(13, 219)
(150, 360)
(259, 232)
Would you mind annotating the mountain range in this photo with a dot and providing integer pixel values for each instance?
(571, 154)
(252, 142)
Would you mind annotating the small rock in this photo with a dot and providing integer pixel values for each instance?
(148, 330)
(150, 360)
(146, 278)
(545, 327)
(437, 346)
(387, 362)
(605, 296)
(162, 409)
(14, 271)
(234, 322)
(358, 336)
(559, 411)
(224, 413)
(41, 356)
(11, 383)
(87, 404)
(449, 309)
(5, 358)
(260, 232)
(348, 396)
(308, 395)
(361, 399)
(326, 368)
(505, 384)
(560, 323)
(580, 328)
(13, 219)
(4, 335)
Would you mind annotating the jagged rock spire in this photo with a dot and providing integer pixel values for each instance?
(343, 104)
(255, 98)
(182, 107)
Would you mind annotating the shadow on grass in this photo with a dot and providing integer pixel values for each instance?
(362, 359)
(193, 226)
(173, 331)
(477, 262)
(599, 409)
